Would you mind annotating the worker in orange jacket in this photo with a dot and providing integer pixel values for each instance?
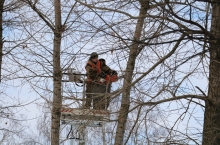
(98, 82)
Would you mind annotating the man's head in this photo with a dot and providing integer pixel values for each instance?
(94, 56)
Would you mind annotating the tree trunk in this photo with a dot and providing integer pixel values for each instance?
(57, 98)
(211, 128)
(1, 39)
(124, 110)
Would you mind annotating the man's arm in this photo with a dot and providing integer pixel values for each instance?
(109, 71)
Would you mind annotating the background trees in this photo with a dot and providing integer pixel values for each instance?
(12, 120)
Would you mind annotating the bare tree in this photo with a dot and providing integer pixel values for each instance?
(211, 117)
(6, 7)
(12, 121)
(1, 39)
(134, 50)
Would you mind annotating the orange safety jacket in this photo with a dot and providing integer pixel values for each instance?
(108, 78)
(96, 67)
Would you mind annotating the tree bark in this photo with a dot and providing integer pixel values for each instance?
(57, 75)
(1, 39)
(124, 109)
(211, 128)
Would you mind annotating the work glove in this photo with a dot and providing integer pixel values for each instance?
(102, 80)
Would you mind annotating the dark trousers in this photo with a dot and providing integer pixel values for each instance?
(97, 93)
